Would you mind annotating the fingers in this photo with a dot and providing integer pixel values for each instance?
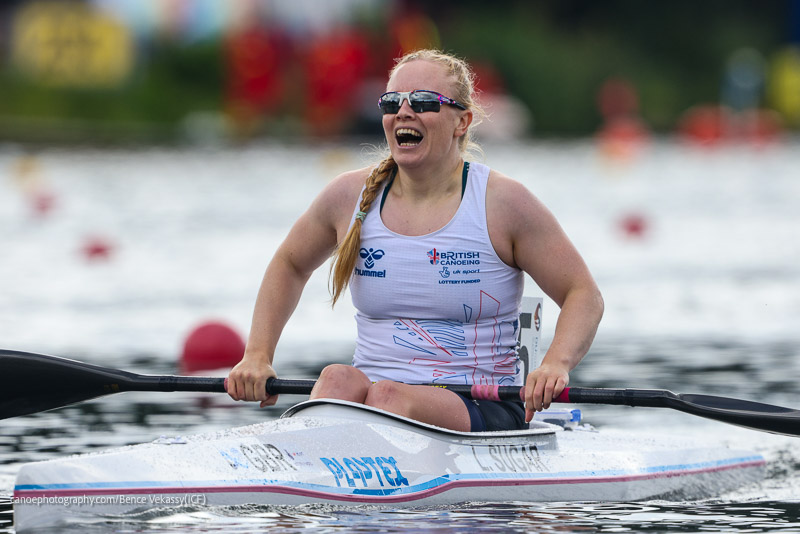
(538, 394)
(248, 383)
(554, 387)
(270, 401)
(533, 392)
(541, 388)
(560, 385)
(255, 389)
(234, 387)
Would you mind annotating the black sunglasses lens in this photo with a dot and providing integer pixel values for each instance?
(390, 103)
(419, 101)
(422, 101)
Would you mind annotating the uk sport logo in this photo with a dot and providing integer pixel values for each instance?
(370, 256)
(433, 256)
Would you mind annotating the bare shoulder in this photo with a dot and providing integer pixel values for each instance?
(345, 187)
(340, 196)
(508, 202)
(315, 234)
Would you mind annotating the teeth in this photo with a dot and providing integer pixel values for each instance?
(408, 137)
(408, 131)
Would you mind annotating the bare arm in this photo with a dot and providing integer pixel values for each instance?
(309, 243)
(526, 234)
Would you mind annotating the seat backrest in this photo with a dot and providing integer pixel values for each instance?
(528, 335)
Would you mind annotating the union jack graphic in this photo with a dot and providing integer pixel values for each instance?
(433, 256)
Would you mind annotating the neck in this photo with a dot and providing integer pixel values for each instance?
(430, 181)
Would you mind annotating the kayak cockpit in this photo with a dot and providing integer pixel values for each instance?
(333, 409)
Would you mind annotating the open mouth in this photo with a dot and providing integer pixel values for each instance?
(408, 137)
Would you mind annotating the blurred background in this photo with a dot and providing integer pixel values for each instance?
(176, 71)
(154, 154)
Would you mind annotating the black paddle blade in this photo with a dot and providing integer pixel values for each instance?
(36, 383)
(750, 414)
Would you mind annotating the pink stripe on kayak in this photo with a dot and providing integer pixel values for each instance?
(415, 496)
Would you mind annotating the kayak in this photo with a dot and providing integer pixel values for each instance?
(347, 454)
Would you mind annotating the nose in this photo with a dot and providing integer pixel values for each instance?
(405, 106)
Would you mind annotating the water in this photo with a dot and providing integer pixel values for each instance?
(706, 300)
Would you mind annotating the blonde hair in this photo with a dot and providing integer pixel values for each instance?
(346, 254)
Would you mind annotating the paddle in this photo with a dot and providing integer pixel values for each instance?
(35, 383)
(749, 414)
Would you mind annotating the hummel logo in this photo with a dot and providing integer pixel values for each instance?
(370, 256)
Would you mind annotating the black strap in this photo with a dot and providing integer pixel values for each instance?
(464, 178)
(388, 186)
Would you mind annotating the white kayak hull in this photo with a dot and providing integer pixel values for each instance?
(346, 454)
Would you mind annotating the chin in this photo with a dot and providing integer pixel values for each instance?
(408, 157)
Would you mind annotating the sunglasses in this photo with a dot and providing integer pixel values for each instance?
(420, 101)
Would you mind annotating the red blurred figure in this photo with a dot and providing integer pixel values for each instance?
(507, 117)
(335, 67)
(761, 126)
(488, 79)
(623, 133)
(709, 125)
(617, 98)
(412, 30)
(256, 59)
(703, 125)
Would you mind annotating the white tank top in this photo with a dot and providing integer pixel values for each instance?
(441, 307)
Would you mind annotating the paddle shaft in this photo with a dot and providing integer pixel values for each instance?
(277, 386)
(35, 383)
(651, 398)
(749, 414)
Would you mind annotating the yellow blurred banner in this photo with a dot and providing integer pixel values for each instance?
(67, 44)
(784, 84)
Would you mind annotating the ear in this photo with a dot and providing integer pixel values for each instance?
(464, 120)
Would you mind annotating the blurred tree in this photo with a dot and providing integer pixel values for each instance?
(552, 55)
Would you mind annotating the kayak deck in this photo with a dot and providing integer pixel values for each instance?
(349, 454)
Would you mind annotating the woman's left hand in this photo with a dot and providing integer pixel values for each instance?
(543, 385)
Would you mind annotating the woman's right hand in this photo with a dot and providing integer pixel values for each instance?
(247, 381)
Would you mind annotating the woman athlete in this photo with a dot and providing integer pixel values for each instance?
(433, 248)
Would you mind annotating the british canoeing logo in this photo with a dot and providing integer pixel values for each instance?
(465, 265)
(453, 258)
